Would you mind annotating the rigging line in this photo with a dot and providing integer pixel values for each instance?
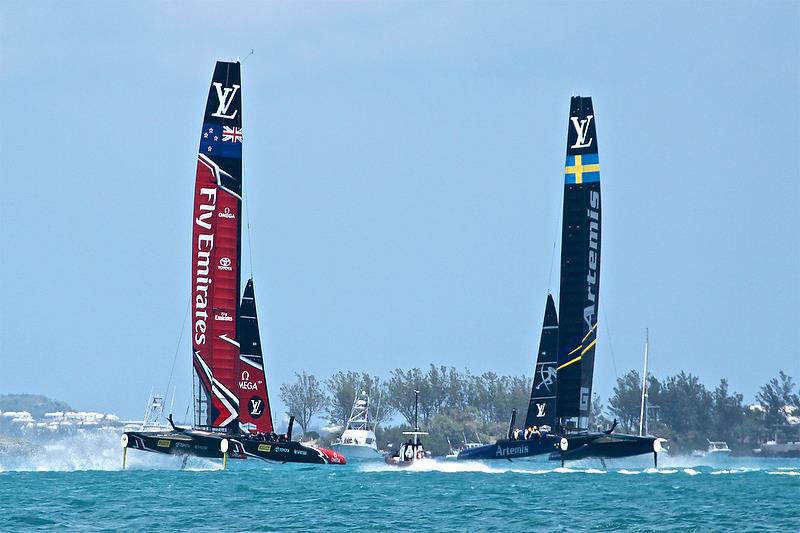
(247, 221)
(247, 206)
(248, 55)
(178, 347)
(610, 345)
(556, 227)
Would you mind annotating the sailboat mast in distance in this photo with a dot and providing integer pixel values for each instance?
(580, 267)
(216, 253)
(643, 410)
(542, 405)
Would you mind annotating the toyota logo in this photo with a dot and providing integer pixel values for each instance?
(225, 261)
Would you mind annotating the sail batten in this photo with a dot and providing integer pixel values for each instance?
(580, 266)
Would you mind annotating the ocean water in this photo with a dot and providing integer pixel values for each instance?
(79, 485)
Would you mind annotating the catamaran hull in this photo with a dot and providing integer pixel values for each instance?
(511, 449)
(602, 446)
(291, 452)
(182, 443)
(199, 444)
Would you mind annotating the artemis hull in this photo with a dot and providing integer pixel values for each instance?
(607, 446)
(511, 449)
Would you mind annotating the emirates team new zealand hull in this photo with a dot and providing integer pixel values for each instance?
(209, 445)
(184, 443)
(290, 452)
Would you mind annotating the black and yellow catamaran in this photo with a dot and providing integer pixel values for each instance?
(558, 413)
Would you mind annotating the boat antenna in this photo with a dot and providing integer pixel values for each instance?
(416, 407)
(248, 55)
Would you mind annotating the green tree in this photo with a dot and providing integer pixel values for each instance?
(304, 398)
(400, 393)
(687, 408)
(626, 400)
(597, 421)
(343, 388)
(727, 413)
(774, 397)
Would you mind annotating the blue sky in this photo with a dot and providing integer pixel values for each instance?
(403, 168)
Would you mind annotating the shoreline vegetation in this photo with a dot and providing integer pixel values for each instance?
(463, 406)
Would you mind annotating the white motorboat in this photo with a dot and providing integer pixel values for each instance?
(716, 450)
(453, 455)
(412, 451)
(358, 441)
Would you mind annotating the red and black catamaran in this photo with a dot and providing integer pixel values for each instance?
(558, 413)
(232, 415)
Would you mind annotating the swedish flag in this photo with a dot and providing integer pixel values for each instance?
(582, 169)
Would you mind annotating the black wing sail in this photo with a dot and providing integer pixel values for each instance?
(254, 409)
(542, 406)
(580, 267)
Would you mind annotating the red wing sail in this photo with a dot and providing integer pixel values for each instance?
(254, 407)
(216, 252)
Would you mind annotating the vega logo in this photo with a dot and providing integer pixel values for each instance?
(225, 97)
(246, 384)
(581, 129)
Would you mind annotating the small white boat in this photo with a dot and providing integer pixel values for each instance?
(453, 455)
(358, 440)
(716, 449)
(412, 451)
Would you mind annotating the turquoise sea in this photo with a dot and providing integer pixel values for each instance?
(62, 487)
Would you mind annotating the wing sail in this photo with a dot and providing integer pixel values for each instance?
(254, 409)
(580, 266)
(216, 230)
(542, 405)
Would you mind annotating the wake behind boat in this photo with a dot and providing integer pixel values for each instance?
(232, 415)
